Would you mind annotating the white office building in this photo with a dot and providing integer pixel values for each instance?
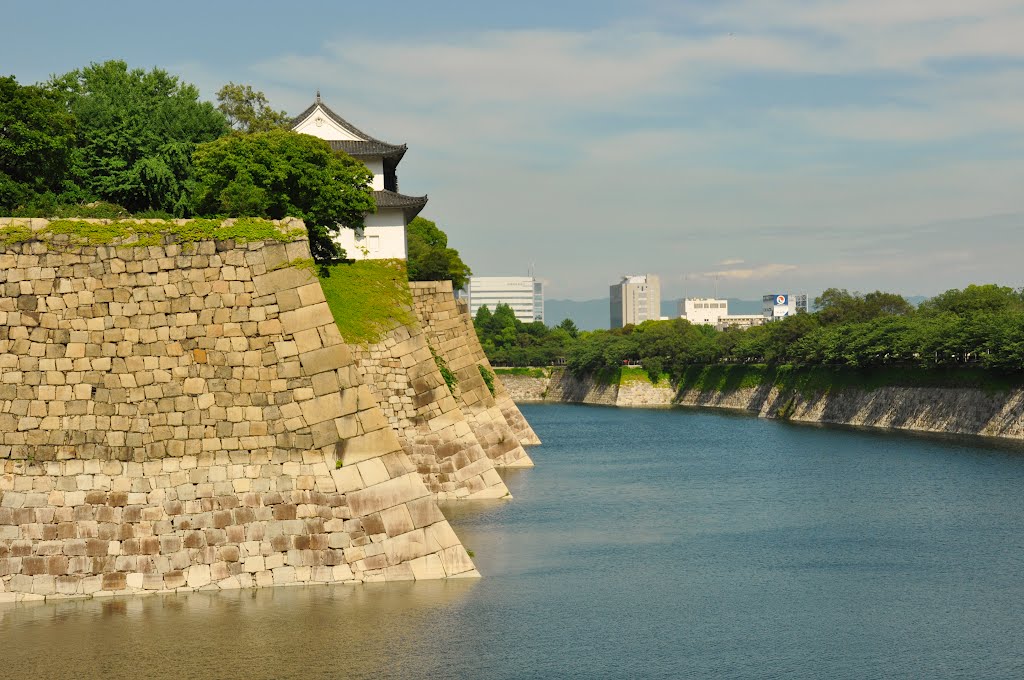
(700, 311)
(635, 299)
(741, 321)
(383, 232)
(524, 294)
(780, 305)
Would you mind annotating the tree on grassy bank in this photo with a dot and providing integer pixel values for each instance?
(135, 134)
(111, 142)
(280, 174)
(507, 341)
(248, 110)
(979, 327)
(430, 258)
(36, 140)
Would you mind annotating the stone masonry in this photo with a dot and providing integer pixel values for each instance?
(402, 374)
(189, 418)
(502, 398)
(968, 411)
(442, 320)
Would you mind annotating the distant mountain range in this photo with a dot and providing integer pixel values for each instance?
(589, 315)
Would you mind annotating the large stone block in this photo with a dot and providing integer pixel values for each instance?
(386, 495)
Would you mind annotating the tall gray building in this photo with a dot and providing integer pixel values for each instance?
(635, 299)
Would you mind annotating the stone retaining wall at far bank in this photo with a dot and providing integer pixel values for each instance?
(189, 418)
(920, 409)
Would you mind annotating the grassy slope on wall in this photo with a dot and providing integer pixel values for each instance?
(368, 298)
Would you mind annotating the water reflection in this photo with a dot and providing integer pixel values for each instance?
(314, 631)
(654, 544)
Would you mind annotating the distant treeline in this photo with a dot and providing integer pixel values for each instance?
(979, 326)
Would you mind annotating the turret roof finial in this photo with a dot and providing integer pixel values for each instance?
(318, 95)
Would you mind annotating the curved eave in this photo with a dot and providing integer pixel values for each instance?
(409, 205)
(374, 149)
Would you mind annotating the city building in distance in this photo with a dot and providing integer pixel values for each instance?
(703, 310)
(635, 299)
(715, 312)
(383, 233)
(780, 305)
(524, 294)
(741, 321)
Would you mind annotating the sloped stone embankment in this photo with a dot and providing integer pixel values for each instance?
(189, 417)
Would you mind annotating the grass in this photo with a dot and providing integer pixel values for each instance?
(488, 377)
(442, 366)
(812, 380)
(528, 372)
(368, 298)
(130, 232)
(634, 374)
(608, 376)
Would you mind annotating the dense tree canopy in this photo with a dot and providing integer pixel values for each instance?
(840, 306)
(430, 258)
(248, 110)
(507, 341)
(980, 326)
(136, 131)
(36, 138)
(279, 173)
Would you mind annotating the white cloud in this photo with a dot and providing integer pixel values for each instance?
(537, 143)
(761, 272)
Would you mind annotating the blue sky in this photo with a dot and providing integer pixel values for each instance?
(768, 145)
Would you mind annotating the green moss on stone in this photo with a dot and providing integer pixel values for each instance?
(79, 232)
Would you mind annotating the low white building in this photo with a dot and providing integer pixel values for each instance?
(701, 311)
(524, 294)
(780, 305)
(740, 321)
(383, 234)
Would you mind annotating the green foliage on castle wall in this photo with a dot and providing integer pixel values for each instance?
(368, 298)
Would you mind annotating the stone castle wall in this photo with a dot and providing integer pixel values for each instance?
(564, 386)
(525, 389)
(190, 418)
(444, 324)
(920, 409)
(502, 399)
(401, 372)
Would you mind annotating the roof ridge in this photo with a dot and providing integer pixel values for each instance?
(318, 102)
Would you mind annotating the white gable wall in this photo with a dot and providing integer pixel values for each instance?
(319, 124)
(382, 237)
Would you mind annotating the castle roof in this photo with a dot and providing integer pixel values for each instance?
(370, 143)
(410, 205)
(369, 149)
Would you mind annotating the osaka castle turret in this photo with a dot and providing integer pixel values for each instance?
(383, 235)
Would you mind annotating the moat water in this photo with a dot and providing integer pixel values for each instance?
(645, 544)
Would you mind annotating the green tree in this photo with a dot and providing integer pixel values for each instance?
(136, 133)
(248, 110)
(836, 305)
(430, 258)
(278, 174)
(569, 326)
(36, 138)
(973, 299)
